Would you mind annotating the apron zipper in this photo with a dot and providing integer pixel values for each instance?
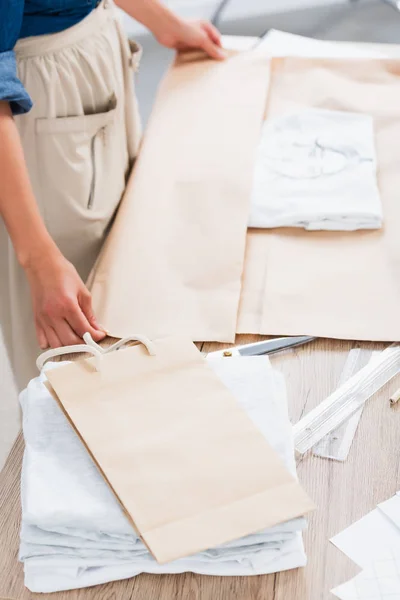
(93, 159)
(94, 170)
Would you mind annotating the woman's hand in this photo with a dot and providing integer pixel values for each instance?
(62, 305)
(172, 31)
(187, 35)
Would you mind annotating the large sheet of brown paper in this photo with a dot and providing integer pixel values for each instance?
(175, 261)
(174, 258)
(186, 463)
(339, 285)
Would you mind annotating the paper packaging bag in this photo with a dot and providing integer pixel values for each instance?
(184, 460)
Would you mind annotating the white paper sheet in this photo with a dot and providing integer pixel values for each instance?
(373, 543)
(238, 42)
(391, 508)
(280, 43)
(380, 581)
(368, 539)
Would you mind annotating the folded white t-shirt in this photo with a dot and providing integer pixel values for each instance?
(46, 576)
(316, 169)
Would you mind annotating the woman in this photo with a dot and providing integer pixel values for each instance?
(69, 131)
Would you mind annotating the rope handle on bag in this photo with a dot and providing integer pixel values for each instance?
(93, 348)
(69, 350)
(148, 344)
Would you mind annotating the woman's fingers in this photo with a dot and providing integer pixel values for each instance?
(65, 323)
(212, 32)
(66, 329)
(212, 49)
(65, 333)
(41, 336)
(85, 302)
(52, 337)
(78, 321)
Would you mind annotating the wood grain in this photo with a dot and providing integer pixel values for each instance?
(343, 492)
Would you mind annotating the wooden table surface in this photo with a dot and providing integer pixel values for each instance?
(343, 492)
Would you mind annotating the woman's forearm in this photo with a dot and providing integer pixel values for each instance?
(172, 31)
(18, 206)
(62, 309)
(154, 15)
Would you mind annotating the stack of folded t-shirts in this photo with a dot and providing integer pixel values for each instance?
(316, 169)
(74, 533)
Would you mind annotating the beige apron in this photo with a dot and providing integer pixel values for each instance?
(79, 140)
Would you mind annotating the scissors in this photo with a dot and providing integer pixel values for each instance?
(266, 347)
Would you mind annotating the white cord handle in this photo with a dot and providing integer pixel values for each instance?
(69, 350)
(93, 348)
(132, 338)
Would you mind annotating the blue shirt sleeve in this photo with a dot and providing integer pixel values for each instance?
(11, 89)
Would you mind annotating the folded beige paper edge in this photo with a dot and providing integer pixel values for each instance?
(248, 513)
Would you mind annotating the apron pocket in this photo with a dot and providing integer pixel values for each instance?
(74, 154)
(82, 164)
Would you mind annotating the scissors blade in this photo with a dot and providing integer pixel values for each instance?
(275, 345)
(265, 347)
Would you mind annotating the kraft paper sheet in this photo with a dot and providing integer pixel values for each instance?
(176, 262)
(174, 258)
(342, 285)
